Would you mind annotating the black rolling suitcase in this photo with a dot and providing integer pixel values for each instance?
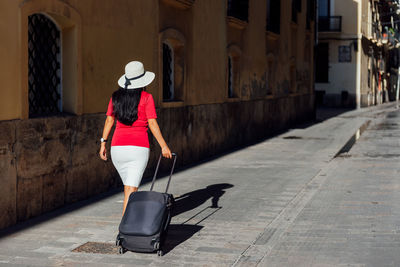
(147, 216)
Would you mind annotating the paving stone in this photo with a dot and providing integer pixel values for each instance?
(282, 202)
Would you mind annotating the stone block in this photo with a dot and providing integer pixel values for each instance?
(86, 140)
(53, 190)
(101, 176)
(85, 148)
(51, 155)
(41, 148)
(8, 178)
(29, 197)
(76, 184)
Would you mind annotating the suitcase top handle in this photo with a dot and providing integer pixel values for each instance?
(174, 156)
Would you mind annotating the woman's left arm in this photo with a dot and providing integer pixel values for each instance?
(106, 131)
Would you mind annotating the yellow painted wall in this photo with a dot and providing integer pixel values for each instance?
(209, 53)
(106, 37)
(113, 36)
(10, 104)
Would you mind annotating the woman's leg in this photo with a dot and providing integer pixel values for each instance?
(128, 190)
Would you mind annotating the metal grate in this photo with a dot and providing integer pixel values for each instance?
(44, 72)
(97, 247)
(168, 83)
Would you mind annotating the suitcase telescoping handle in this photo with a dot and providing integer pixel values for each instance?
(170, 175)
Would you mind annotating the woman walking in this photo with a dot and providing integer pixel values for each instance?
(135, 112)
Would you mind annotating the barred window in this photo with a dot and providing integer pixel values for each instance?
(44, 67)
(168, 72)
(172, 67)
(233, 71)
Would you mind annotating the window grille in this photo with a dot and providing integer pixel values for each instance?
(168, 73)
(44, 67)
(239, 9)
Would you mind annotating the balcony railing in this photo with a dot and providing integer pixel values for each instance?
(330, 24)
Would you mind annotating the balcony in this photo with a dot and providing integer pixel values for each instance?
(330, 24)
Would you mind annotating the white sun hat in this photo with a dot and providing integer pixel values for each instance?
(135, 76)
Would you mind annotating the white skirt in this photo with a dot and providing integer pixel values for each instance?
(130, 162)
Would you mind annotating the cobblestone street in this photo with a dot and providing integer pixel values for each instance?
(304, 198)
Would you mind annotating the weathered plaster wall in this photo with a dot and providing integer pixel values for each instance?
(47, 163)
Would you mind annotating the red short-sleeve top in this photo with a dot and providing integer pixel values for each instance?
(135, 134)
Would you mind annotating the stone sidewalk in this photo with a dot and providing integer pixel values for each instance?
(281, 202)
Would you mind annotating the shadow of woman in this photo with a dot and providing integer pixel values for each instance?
(196, 198)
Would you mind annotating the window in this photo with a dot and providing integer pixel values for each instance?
(322, 64)
(230, 77)
(168, 73)
(44, 67)
(324, 7)
(233, 76)
(274, 16)
(296, 7)
(52, 50)
(293, 76)
(172, 65)
(239, 9)
(310, 16)
(233, 71)
(271, 73)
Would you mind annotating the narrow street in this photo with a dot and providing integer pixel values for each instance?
(303, 198)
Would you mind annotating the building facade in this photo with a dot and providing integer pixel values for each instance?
(357, 56)
(228, 73)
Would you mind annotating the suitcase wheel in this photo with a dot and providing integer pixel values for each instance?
(160, 253)
(118, 241)
(121, 250)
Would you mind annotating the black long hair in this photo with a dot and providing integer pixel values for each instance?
(125, 103)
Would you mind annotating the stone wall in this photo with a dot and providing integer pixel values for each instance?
(49, 162)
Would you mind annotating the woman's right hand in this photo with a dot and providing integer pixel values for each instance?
(166, 152)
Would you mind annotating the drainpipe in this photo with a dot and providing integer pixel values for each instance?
(358, 56)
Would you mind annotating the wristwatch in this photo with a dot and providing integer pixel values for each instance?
(103, 140)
